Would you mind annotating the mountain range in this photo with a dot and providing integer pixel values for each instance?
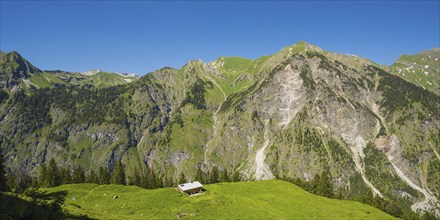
(18, 72)
(293, 114)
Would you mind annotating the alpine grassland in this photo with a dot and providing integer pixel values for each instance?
(271, 199)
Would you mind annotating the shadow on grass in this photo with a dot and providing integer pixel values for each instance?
(69, 216)
(57, 197)
(34, 206)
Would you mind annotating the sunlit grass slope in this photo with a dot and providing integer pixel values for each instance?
(272, 199)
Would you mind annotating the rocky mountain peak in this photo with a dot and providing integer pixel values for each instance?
(305, 46)
(14, 62)
(194, 68)
(14, 67)
(91, 72)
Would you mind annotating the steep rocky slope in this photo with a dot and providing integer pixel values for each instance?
(289, 115)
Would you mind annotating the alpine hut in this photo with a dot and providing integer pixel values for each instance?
(191, 187)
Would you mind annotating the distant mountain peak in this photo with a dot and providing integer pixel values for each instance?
(299, 46)
(91, 72)
(13, 68)
(305, 46)
(422, 69)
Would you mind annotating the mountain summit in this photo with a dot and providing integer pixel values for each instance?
(14, 67)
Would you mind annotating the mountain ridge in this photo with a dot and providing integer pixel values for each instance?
(293, 114)
(18, 72)
(422, 69)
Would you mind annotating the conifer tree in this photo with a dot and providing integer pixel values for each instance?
(393, 208)
(92, 178)
(236, 177)
(103, 176)
(118, 175)
(167, 182)
(11, 182)
(3, 179)
(182, 178)
(200, 175)
(144, 181)
(225, 176)
(324, 186)
(18, 181)
(426, 216)
(34, 182)
(379, 203)
(297, 181)
(42, 176)
(66, 178)
(214, 176)
(151, 179)
(52, 174)
(339, 194)
(159, 181)
(136, 179)
(22, 180)
(78, 175)
(313, 184)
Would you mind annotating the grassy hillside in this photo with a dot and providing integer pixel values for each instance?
(45, 80)
(272, 199)
(105, 79)
(422, 69)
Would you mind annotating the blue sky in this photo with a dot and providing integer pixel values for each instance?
(142, 36)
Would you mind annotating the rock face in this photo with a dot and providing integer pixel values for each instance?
(91, 72)
(289, 115)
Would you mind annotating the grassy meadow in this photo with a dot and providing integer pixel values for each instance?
(272, 199)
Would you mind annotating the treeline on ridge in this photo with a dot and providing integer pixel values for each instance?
(51, 175)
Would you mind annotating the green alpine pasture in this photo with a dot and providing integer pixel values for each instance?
(272, 199)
